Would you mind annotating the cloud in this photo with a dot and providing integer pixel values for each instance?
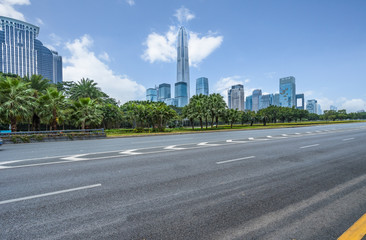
(7, 8)
(324, 103)
(353, 105)
(224, 84)
(39, 21)
(200, 48)
(130, 2)
(83, 63)
(162, 47)
(104, 56)
(183, 15)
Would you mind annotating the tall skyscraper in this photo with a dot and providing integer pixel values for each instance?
(182, 66)
(164, 92)
(312, 106)
(202, 86)
(24, 55)
(236, 97)
(248, 103)
(152, 94)
(287, 92)
(300, 101)
(181, 94)
(255, 99)
(265, 101)
(276, 99)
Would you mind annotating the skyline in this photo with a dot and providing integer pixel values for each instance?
(250, 43)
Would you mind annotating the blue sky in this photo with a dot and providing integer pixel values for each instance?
(129, 45)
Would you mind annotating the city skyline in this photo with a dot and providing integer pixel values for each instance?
(326, 52)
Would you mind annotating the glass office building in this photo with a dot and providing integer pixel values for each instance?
(152, 94)
(312, 106)
(202, 86)
(276, 99)
(236, 97)
(265, 101)
(182, 67)
(255, 99)
(181, 94)
(287, 92)
(300, 101)
(248, 103)
(164, 92)
(24, 55)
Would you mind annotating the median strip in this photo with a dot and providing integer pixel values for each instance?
(49, 194)
(357, 231)
(234, 160)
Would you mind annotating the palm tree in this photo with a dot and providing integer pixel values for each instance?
(16, 100)
(86, 88)
(87, 112)
(188, 112)
(52, 105)
(39, 85)
(216, 105)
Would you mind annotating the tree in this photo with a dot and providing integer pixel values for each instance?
(216, 106)
(16, 100)
(86, 88)
(87, 112)
(188, 112)
(52, 105)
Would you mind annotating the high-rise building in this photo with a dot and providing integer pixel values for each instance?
(181, 94)
(164, 92)
(248, 103)
(182, 65)
(312, 106)
(255, 99)
(202, 86)
(152, 94)
(236, 97)
(265, 101)
(287, 92)
(300, 101)
(276, 99)
(23, 54)
(319, 110)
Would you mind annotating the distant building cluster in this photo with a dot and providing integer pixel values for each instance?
(162, 93)
(286, 97)
(23, 54)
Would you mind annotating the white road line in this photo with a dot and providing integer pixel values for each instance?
(297, 133)
(49, 194)
(318, 131)
(314, 145)
(308, 132)
(284, 135)
(173, 147)
(234, 160)
(347, 139)
(251, 138)
(130, 152)
(75, 157)
(269, 136)
(208, 144)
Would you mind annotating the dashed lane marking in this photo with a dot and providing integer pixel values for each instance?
(309, 146)
(235, 160)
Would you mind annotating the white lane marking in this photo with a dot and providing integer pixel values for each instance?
(284, 135)
(208, 144)
(49, 194)
(314, 145)
(318, 131)
(229, 141)
(347, 139)
(234, 160)
(235, 141)
(251, 138)
(130, 152)
(308, 132)
(297, 133)
(75, 157)
(269, 136)
(173, 147)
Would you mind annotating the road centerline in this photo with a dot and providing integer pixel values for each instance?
(49, 194)
(234, 160)
(309, 146)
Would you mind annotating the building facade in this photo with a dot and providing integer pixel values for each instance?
(255, 99)
(312, 106)
(152, 94)
(236, 97)
(23, 54)
(300, 101)
(276, 99)
(202, 86)
(181, 94)
(182, 66)
(287, 92)
(248, 103)
(265, 101)
(164, 92)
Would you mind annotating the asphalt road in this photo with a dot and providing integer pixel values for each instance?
(295, 183)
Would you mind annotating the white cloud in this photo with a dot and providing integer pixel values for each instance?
(7, 8)
(130, 2)
(183, 15)
(200, 48)
(84, 64)
(162, 47)
(104, 56)
(353, 105)
(39, 21)
(324, 103)
(224, 84)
